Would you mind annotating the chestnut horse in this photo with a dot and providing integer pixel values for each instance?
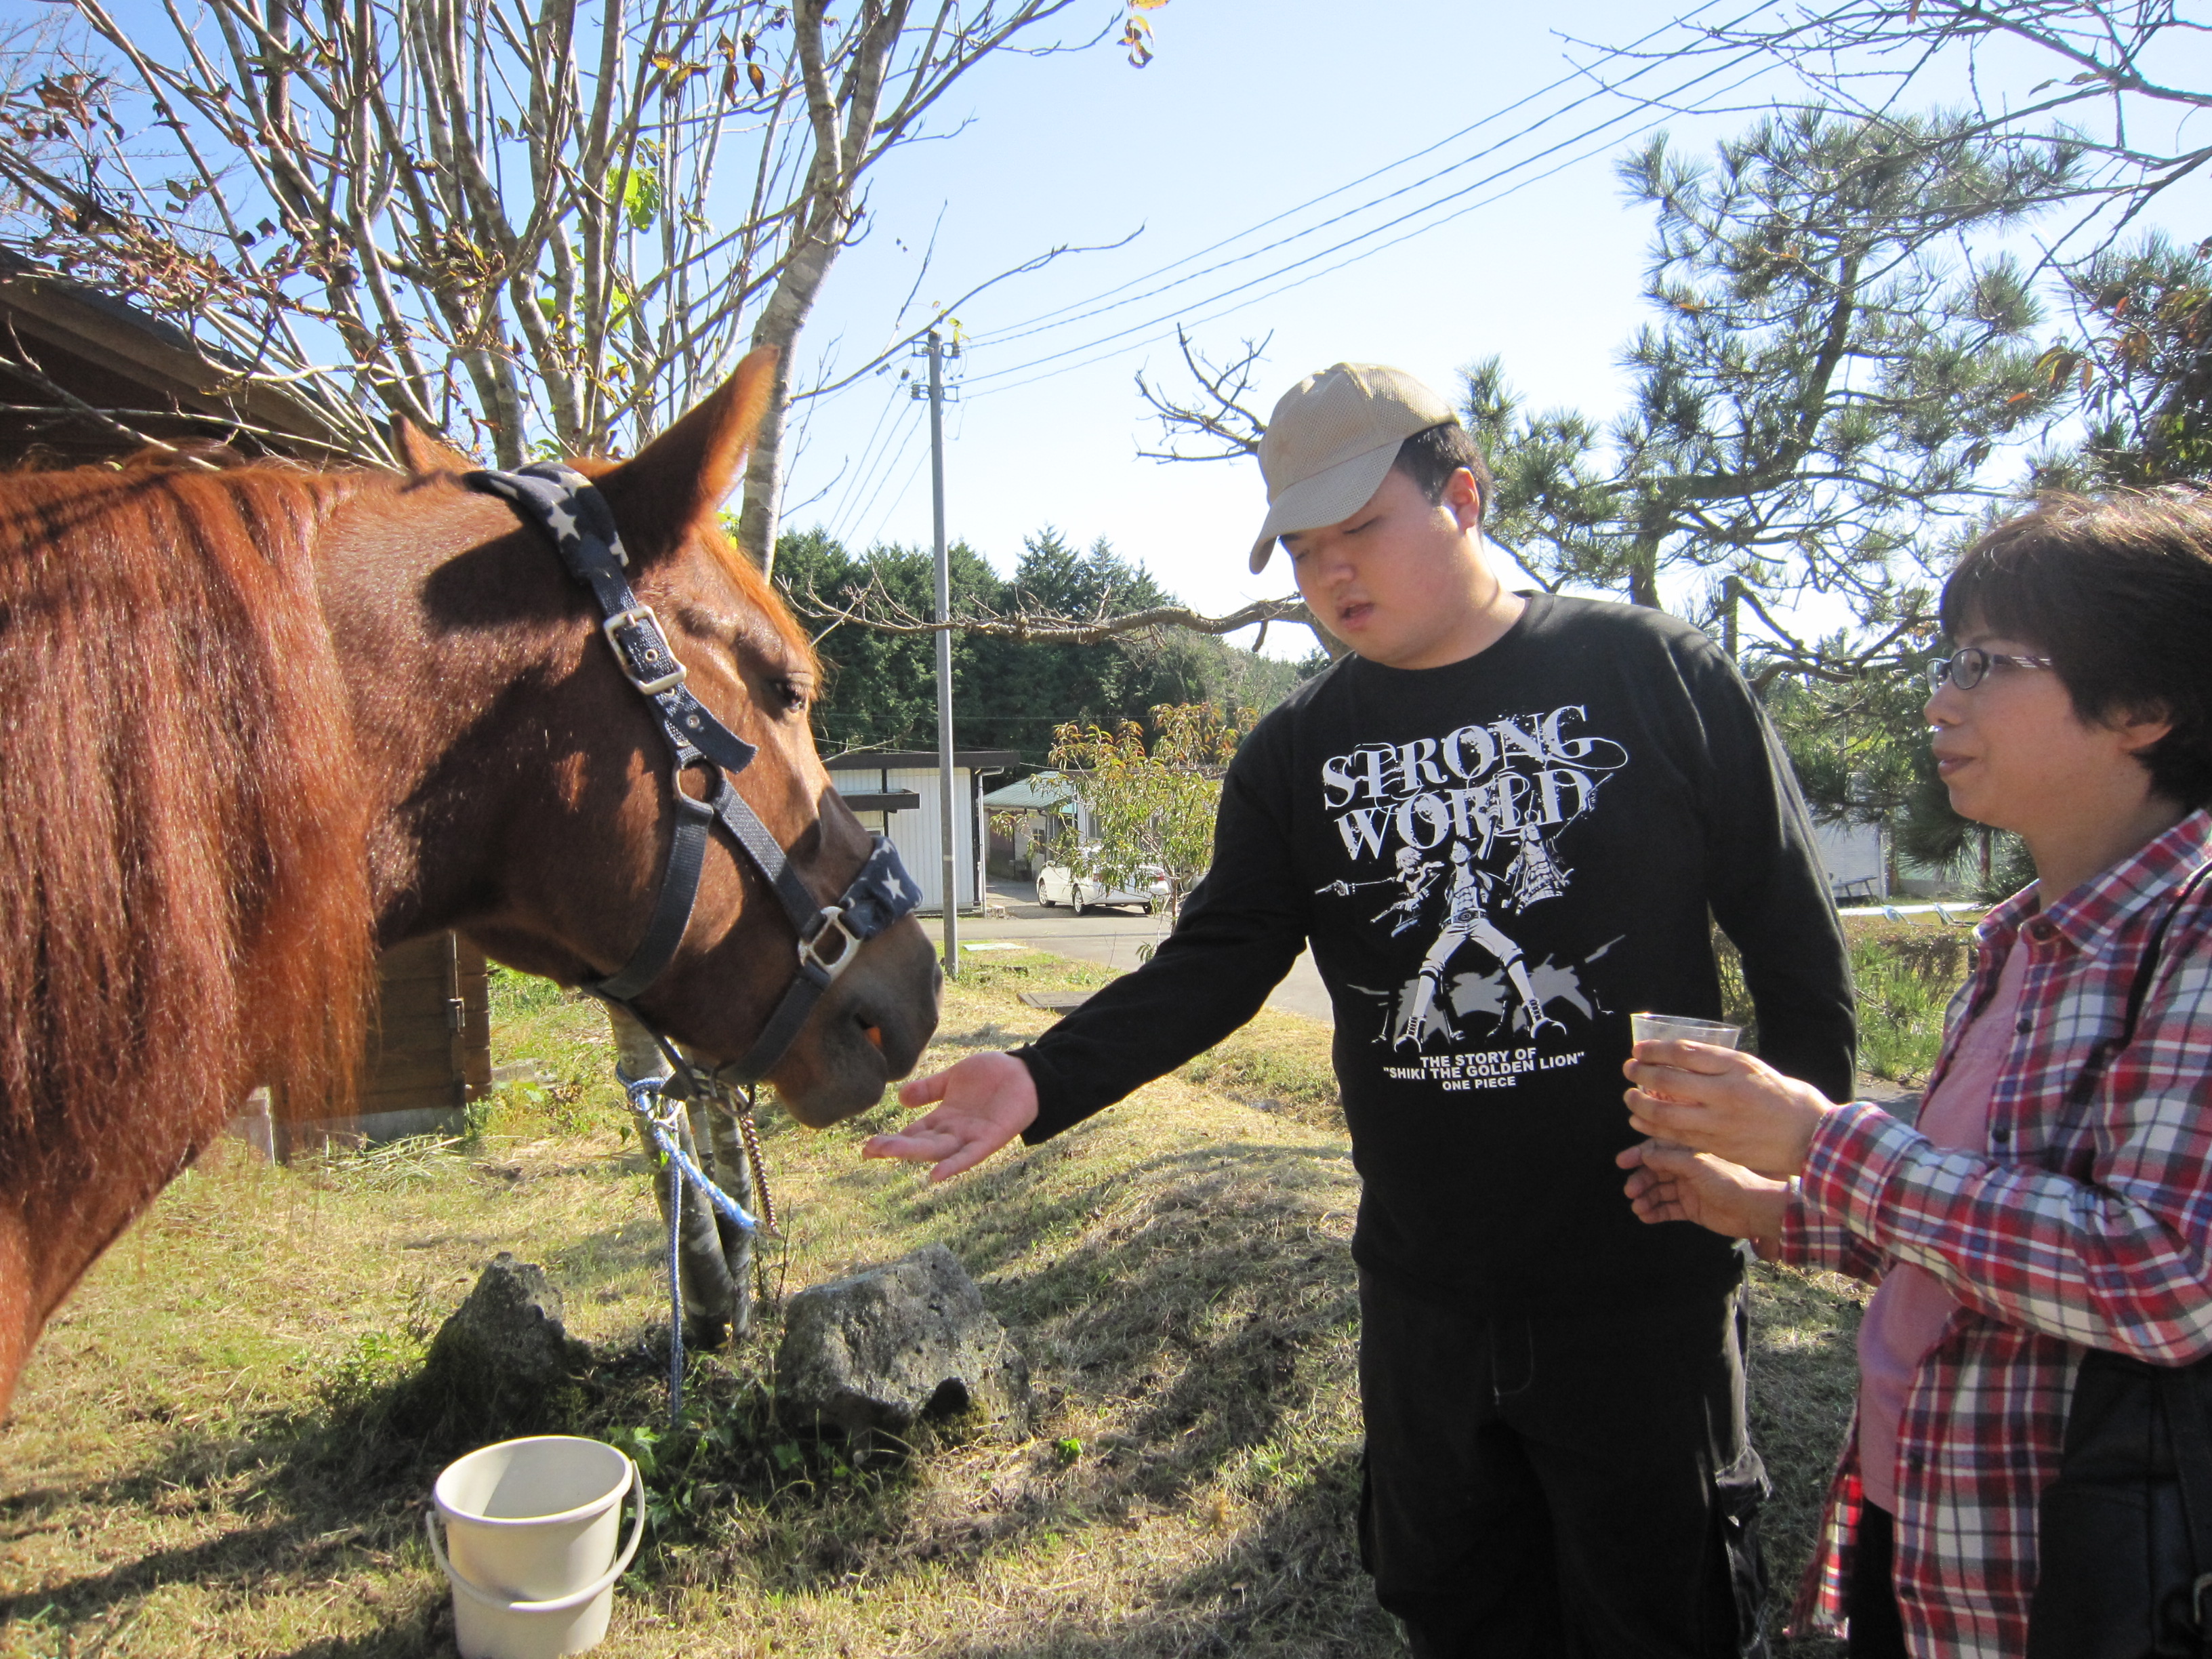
(258, 723)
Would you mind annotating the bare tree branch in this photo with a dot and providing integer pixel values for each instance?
(1217, 414)
(1866, 55)
(512, 220)
(862, 100)
(874, 607)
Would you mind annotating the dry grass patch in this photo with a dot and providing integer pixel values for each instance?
(1279, 1063)
(211, 1454)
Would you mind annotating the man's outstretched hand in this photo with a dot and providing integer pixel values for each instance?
(982, 1102)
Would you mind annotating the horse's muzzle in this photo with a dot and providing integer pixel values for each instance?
(868, 1032)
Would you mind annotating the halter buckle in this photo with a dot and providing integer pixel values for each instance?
(811, 960)
(641, 616)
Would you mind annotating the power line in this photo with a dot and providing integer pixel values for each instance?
(1353, 241)
(892, 466)
(1119, 342)
(1164, 328)
(1307, 275)
(884, 475)
(868, 454)
(1043, 323)
(860, 468)
(899, 498)
(1033, 325)
(1319, 225)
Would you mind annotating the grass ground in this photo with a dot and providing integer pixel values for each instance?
(1906, 973)
(212, 1452)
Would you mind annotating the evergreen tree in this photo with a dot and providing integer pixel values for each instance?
(879, 689)
(1858, 743)
(880, 686)
(1180, 668)
(2142, 366)
(1021, 691)
(1829, 370)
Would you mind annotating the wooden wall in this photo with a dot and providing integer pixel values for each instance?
(430, 1052)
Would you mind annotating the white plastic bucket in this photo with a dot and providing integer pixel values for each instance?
(531, 1526)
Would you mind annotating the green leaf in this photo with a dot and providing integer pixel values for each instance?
(641, 197)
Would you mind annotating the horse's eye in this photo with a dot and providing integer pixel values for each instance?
(794, 695)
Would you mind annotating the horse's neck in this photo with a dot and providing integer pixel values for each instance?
(428, 643)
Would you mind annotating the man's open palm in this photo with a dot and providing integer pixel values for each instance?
(982, 1102)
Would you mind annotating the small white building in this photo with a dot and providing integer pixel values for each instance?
(895, 790)
(1027, 820)
(1856, 857)
(1862, 866)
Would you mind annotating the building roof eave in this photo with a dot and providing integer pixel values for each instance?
(907, 760)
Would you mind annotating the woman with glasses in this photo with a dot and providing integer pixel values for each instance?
(2054, 1194)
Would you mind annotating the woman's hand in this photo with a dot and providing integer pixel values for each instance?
(1668, 1183)
(1715, 1100)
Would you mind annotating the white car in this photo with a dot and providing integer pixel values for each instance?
(1056, 884)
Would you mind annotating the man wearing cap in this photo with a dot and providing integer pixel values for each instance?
(1556, 1459)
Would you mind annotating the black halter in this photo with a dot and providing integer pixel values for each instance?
(564, 504)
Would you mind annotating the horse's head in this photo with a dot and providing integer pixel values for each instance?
(572, 753)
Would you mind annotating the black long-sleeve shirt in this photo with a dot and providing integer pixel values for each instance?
(1546, 826)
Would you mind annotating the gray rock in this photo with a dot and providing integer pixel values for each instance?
(889, 1346)
(508, 1334)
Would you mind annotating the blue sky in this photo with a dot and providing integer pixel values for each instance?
(1247, 114)
(1417, 182)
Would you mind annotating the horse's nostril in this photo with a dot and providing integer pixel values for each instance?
(874, 1034)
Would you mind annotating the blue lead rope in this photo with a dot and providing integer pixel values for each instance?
(675, 1270)
(661, 1116)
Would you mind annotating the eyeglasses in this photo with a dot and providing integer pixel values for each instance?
(1967, 668)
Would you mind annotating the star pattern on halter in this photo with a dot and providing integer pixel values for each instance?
(561, 521)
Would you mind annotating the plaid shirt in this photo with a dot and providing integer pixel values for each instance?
(2115, 1252)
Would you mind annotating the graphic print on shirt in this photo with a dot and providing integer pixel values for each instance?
(1469, 828)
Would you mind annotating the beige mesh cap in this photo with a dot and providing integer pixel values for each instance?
(1330, 443)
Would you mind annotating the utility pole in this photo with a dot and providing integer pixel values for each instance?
(936, 351)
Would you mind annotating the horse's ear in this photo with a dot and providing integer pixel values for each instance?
(423, 455)
(664, 490)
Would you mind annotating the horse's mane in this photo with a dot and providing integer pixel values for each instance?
(184, 904)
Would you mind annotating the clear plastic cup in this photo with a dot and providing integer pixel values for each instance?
(1680, 1028)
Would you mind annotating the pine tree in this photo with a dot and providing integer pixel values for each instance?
(2141, 365)
(1829, 372)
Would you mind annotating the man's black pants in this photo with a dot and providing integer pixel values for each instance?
(1576, 1485)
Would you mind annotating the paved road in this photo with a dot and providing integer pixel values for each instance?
(1110, 936)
